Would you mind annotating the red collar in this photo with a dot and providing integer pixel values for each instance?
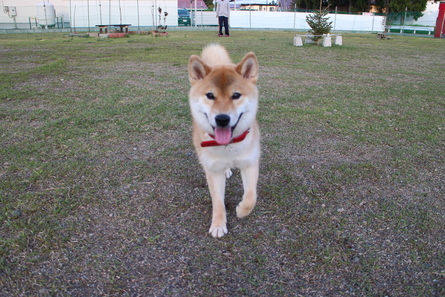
(234, 140)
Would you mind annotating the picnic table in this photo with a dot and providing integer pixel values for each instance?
(122, 28)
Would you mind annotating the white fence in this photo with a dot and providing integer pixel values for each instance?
(145, 16)
(289, 20)
(78, 14)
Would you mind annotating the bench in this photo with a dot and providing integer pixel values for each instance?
(327, 39)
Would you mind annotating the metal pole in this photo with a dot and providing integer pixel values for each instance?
(404, 20)
(71, 18)
(74, 19)
(88, 12)
(100, 12)
(120, 13)
(137, 3)
(46, 18)
(152, 15)
(335, 18)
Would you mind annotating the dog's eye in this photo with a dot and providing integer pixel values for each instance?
(236, 95)
(210, 96)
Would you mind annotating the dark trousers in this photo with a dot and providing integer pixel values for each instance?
(223, 21)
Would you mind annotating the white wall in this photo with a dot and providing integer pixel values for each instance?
(24, 8)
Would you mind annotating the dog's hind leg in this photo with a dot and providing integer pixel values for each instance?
(217, 183)
(250, 180)
(228, 173)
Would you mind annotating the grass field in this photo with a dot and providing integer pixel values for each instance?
(101, 193)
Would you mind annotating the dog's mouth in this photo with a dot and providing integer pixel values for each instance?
(223, 135)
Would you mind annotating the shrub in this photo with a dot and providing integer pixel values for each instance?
(318, 21)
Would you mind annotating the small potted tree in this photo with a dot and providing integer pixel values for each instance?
(318, 21)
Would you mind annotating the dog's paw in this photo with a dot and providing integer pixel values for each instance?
(218, 231)
(228, 173)
(244, 209)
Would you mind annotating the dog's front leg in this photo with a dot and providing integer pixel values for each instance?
(217, 184)
(249, 176)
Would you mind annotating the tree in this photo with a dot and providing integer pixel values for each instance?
(309, 4)
(318, 21)
(414, 8)
(359, 5)
(209, 4)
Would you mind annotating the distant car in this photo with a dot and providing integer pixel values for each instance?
(184, 18)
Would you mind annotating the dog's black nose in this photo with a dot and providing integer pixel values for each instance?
(222, 120)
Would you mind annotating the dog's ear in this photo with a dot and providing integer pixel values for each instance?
(197, 69)
(248, 67)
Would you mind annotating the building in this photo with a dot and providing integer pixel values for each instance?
(262, 5)
(28, 14)
(190, 5)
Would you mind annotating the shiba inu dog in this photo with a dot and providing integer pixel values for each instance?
(224, 101)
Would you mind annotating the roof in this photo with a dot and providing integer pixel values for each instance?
(252, 2)
(191, 4)
(284, 3)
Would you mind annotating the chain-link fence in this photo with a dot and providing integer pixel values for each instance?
(145, 14)
(78, 14)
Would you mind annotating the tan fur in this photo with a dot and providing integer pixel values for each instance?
(214, 73)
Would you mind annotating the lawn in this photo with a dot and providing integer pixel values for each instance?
(101, 193)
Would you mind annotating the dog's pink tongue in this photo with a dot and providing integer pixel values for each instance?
(223, 135)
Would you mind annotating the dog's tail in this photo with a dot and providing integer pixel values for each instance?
(214, 54)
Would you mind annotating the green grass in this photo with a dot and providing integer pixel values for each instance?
(101, 192)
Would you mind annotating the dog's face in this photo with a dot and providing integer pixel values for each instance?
(224, 98)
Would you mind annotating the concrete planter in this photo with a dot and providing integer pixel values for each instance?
(117, 35)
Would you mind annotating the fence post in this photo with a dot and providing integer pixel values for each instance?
(404, 21)
(335, 17)
(250, 16)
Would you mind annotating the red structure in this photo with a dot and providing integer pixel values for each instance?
(440, 23)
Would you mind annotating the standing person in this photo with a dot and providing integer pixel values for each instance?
(223, 14)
